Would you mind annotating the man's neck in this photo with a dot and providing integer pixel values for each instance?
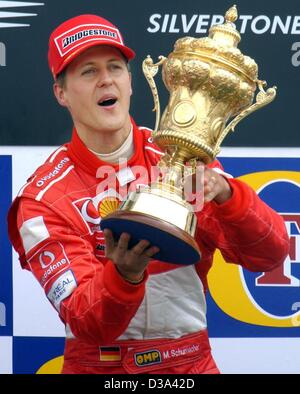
(125, 151)
(103, 142)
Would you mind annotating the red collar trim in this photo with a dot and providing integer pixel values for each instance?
(85, 159)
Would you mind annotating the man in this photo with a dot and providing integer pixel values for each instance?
(124, 312)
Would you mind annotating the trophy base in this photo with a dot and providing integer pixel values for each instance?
(175, 245)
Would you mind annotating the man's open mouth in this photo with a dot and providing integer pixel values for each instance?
(107, 102)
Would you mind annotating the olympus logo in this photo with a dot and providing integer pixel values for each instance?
(53, 173)
(259, 24)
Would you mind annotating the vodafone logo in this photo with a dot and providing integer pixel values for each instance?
(53, 268)
(46, 258)
(51, 259)
(53, 173)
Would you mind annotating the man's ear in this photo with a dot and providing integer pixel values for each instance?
(130, 80)
(59, 93)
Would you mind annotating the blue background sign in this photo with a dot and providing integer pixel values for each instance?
(276, 293)
(6, 295)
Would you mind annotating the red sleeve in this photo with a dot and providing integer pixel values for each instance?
(246, 230)
(89, 294)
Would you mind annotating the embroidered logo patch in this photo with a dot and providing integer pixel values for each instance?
(147, 358)
(82, 34)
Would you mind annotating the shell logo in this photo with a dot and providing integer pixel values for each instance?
(108, 205)
(227, 283)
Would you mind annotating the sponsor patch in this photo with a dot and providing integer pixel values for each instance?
(64, 286)
(92, 209)
(85, 33)
(53, 173)
(147, 358)
(48, 261)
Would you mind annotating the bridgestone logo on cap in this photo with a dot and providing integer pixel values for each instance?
(82, 34)
(87, 33)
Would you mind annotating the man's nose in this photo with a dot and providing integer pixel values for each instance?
(104, 78)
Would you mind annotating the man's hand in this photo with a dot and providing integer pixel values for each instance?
(206, 185)
(215, 187)
(131, 263)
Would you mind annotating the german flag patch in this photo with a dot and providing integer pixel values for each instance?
(110, 353)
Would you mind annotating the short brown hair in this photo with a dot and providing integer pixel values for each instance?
(61, 78)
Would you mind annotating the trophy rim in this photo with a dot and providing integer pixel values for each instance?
(160, 224)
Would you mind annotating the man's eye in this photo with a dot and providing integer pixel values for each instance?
(116, 66)
(88, 71)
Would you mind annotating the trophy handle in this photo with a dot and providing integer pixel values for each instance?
(150, 69)
(263, 98)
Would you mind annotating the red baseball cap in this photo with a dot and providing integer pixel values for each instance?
(77, 34)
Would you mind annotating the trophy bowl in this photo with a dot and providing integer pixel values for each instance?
(212, 86)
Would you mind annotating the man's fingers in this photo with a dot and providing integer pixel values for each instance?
(116, 250)
(151, 251)
(109, 240)
(140, 247)
(123, 242)
(210, 187)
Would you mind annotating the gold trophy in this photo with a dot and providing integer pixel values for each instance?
(210, 82)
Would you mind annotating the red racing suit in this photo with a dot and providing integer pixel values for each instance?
(113, 326)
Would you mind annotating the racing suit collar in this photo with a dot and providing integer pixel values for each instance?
(82, 156)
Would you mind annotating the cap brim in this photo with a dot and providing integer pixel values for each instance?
(127, 52)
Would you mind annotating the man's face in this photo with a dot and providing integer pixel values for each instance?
(97, 91)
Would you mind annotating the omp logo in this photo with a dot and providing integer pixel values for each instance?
(2, 315)
(265, 298)
(9, 14)
(147, 358)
